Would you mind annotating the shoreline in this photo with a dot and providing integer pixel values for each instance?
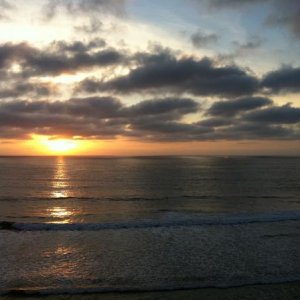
(287, 291)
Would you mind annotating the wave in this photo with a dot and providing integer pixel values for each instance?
(129, 199)
(102, 290)
(13, 199)
(170, 220)
(137, 198)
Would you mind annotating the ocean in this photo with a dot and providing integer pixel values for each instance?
(74, 225)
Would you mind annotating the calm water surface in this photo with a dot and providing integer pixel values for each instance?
(97, 189)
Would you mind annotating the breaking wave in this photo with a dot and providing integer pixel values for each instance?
(169, 220)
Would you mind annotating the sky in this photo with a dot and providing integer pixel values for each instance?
(159, 77)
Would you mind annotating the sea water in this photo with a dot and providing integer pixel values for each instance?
(95, 224)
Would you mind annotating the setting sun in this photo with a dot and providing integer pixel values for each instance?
(56, 145)
(61, 145)
(49, 145)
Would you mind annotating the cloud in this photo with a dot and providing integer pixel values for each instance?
(59, 57)
(58, 64)
(160, 70)
(160, 119)
(175, 106)
(77, 7)
(216, 5)
(233, 107)
(283, 13)
(21, 89)
(216, 122)
(200, 39)
(10, 52)
(78, 46)
(165, 72)
(286, 79)
(257, 131)
(241, 50)
(148, 72)
(285, 114)
(5, 6)
(93, 117)
(232, 3)
(93, 26)
(286, 13)
(252, 44)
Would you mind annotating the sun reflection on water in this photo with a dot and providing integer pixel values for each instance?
(60, 215)
(60, 185)
(60, 180)
(62, 250)
(61, 211)
(62, 263)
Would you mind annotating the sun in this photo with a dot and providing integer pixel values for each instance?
(53, 145)
(58, 146)
(61, 146)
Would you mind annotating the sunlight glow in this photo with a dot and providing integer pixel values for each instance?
(61, 145)
(55, 145)
(59, 212)
(60, 215)
(63, 78)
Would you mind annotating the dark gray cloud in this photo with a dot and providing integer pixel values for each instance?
(186, 75)
(168, 131)
(153, 120)
(283, 80)
(285, 114)
(256, 131)
(216, 122)
(233, 107)
(10, 52)
(104, 107)
(153, 71)
(175, 106)
(94, 117)
(200, 39)
(59, 57)
(29, 89)
(150, 72)
(92, 107)
(56, 64)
